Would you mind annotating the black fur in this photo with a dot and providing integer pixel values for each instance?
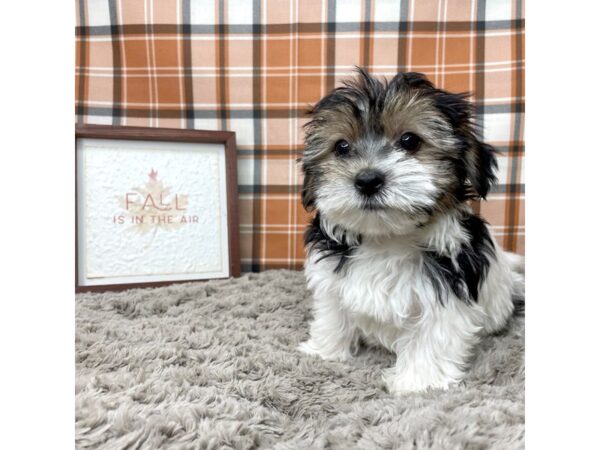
(519, 303)
(465, 275)
(484, 177)
(316, 239)
(455, 107)
(308, 188)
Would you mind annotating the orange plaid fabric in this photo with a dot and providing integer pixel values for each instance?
(253, 67)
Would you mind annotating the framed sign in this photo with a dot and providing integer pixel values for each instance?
(154, 206)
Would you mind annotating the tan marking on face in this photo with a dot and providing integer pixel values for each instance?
(330, 126)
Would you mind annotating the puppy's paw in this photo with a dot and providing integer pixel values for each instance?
(310, 347)
(398, 384)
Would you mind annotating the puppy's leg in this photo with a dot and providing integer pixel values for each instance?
(332, 334)
(517, 266)
(434, 353)
(502, 291)
(516, 262)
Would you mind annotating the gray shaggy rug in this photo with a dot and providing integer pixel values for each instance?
(214, 365)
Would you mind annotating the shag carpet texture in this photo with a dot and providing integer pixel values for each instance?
(214, 365)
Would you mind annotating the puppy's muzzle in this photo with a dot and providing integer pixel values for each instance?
(369, 182)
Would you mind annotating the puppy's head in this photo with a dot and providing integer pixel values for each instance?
(383, 158)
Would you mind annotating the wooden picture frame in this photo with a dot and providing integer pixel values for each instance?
(89, 135)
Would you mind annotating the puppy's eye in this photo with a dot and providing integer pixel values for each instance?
(409, 141)
(342, 147)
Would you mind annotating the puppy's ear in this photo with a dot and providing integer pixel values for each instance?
(480, 165)
(308, 193)
(479, 158)
(307, 167)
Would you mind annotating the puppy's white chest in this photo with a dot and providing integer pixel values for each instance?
(377, 282)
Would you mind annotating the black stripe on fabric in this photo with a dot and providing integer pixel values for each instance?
(292, 155)
(259, 152)
(402, 32)
(80, 108)
(442, 29)
(366, 29)
(261, 189)
(517, 106)
(268, 265)
(186, 32)
(330, 48)
(221, 32)
(247, 267)
(151, 112)
(315, 27)
(296, 150)
(512, 201)
(480, 27)
(479, 94)
(265, 112)
(117, 63)
(257, 116)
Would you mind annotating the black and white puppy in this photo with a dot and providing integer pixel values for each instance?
(395, 256)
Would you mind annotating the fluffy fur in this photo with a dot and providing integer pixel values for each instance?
(405, 265)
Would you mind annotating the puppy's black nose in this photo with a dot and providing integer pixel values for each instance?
(369, 181)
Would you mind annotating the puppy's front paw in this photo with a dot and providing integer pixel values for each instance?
(403, 383)
(310, 347)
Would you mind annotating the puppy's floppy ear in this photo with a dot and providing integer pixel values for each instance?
(311, 140)
(308, 189)
(480, 165)
(479, 158)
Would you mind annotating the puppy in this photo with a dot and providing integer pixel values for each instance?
(395, 255)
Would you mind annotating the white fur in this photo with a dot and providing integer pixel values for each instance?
(384, 295)
(409, 186)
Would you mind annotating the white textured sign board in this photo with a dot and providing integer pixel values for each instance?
(150, 211)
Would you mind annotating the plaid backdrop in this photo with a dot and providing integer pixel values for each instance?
(254, 66)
